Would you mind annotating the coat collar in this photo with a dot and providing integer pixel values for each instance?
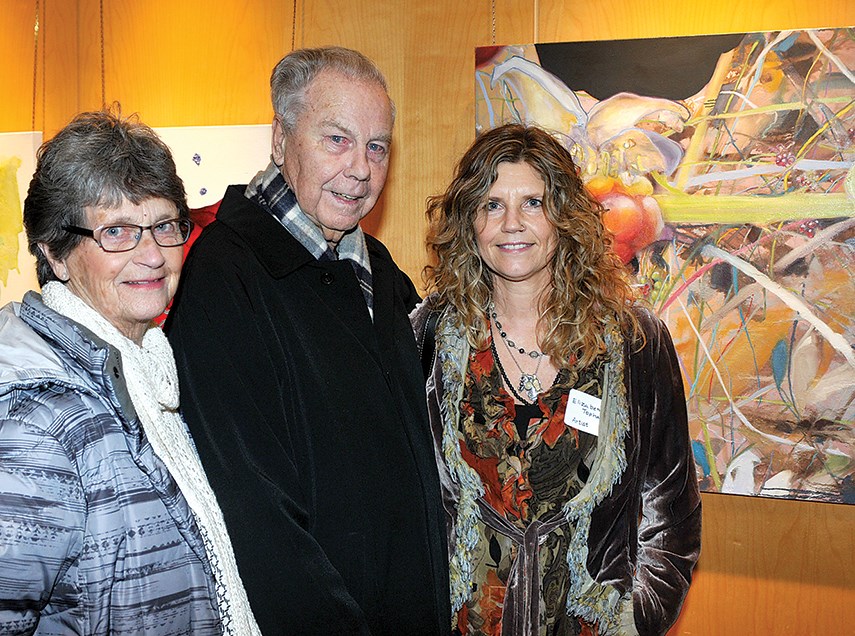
(281, 254)
(278, 251)
(47, 347)
(275, 248)
(51, 343)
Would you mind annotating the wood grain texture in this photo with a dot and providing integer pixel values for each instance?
(189, 63)
(17, 19)
(767, 566)
(564, 20)
(382, 31)
(772, 567)
(62, 65)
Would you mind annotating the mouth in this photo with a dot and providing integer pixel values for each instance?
(149, 282)
(346, 197)
(514, 247)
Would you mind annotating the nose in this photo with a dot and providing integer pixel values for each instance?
(358, 168)
(512, 219)
(148, 252)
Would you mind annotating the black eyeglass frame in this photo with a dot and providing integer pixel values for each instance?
(95, 234)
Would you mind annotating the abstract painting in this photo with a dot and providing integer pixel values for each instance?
(725, 165)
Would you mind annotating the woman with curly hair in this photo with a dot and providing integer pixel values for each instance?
(556, 404)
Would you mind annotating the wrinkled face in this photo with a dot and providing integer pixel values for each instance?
(337, 156)
(128, 288)
(515, 239)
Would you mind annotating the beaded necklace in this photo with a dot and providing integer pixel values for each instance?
(505, 377)
(534, 355)
(529, 382)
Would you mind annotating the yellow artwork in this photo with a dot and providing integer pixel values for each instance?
(11, 217)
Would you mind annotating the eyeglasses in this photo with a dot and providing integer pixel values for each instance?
(125, 237)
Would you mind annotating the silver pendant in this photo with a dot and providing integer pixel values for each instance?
(530, 386)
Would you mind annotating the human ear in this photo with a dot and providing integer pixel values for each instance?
(277, 149)
(59, 266)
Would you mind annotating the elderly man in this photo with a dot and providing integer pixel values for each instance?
(299, 375)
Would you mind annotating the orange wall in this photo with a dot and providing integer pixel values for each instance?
(768, 566)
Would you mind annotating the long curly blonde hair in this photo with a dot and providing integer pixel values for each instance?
(590, 290)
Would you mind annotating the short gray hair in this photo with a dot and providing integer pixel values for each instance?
(294, 72)
(99, 159)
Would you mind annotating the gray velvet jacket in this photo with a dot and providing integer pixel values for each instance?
(637, 522)
(95, 537)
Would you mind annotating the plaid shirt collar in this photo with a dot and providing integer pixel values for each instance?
(269, 190)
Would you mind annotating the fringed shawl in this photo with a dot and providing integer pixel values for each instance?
(587, 599)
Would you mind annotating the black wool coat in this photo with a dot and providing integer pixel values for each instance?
(311, 423)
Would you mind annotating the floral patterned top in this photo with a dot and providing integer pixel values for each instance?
(525, 479)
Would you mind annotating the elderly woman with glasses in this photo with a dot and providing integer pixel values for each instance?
(107, 522)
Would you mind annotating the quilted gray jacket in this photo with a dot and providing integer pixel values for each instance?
(95, 536)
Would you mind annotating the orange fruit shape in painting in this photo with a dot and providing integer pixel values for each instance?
(632, 215)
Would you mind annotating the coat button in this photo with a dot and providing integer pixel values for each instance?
(327, 278)
(116, 372)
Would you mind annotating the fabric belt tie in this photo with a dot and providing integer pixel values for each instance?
(521, 609)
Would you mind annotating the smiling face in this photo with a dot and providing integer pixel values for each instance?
(515, 239)
(128, 288)
(337, 156)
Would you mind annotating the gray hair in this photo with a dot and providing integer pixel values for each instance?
(99, 159)
(294, 72)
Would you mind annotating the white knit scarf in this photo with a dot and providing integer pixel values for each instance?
(152, 382)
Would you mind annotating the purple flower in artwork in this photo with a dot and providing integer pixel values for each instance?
(197, 158)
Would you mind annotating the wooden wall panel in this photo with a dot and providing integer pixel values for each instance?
(17, 19)
(367, 27)
(426, 51)
(188, 63)
(564, 20)
(772, 567)
(767, 566)
(60, 68)
(60, 100)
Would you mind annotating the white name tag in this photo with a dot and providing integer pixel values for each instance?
(583, 412)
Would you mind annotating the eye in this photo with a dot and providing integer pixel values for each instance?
(166, 227)
(377, 149)
(492, 207)
(119, 231)
(337, 140)
(534, 203)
